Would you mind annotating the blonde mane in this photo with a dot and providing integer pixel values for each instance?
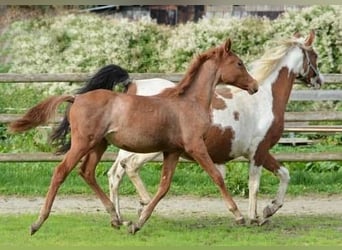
(263, 67)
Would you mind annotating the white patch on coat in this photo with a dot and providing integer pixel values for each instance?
(255, 111)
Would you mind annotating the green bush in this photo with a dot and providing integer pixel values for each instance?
(327, 22)
(85, 42)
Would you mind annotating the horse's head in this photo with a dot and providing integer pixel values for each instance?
(310, 73)
(231, 69)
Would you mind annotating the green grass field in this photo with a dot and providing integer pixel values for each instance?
(93, 230)
(33, 179)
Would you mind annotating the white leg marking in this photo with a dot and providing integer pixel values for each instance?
(284, 178)
(130, 163)
(222, 169)
(132, 166)
(253, 185)
(115, 175)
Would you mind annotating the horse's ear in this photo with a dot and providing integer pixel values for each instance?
(228, 45)
(309, 40)
(297, 34)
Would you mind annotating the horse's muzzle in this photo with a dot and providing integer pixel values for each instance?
(253, 89)
(317, 81)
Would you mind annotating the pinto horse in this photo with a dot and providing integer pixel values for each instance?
(173, 122)
(241, 125)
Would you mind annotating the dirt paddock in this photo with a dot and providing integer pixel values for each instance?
(171, 205)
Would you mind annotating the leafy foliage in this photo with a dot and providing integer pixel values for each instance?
(85, 42)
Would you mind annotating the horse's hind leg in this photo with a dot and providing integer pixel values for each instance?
(132, 166)
(115, 176)
(130, 163)
(169, 165)
(87, 172)
(61, 172)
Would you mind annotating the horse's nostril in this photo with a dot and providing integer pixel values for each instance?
(256, 88)
(252, 91)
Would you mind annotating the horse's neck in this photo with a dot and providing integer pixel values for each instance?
(203, 85)
(281, 90)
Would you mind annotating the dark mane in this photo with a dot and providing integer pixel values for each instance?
(189, 75)
(106, 78)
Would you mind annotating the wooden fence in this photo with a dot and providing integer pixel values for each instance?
(294, 121)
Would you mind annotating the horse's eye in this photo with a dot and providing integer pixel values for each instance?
(240, 63)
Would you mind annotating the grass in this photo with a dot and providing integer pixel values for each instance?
(33, 179)
(93, 230)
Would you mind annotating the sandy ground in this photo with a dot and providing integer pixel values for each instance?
(173, 205)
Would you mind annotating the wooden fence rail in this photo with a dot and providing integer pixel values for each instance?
(110, 157)
(294, 121)
(81, 77)
(296, 95)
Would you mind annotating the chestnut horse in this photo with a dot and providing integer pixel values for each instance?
(173, 122)
(241, 125)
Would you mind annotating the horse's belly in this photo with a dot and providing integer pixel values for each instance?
(139, 143)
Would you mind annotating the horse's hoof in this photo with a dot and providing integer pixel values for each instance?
(240, 221)
(267, 212)
(140, 211)
(127, 223)
(116, 224)
(264, 222)
(132, 229)
(254, 221)
(144, 203)
(33, 229)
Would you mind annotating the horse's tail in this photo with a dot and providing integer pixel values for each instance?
(106, 78)
(39, 114)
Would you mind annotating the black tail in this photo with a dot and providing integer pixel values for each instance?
(106, 78)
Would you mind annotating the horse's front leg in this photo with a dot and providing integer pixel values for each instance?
(271, 164)
(253, 186)
(169, 165)
(199, 152)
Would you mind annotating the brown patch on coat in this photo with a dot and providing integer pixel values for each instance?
(277, 127)
(225, 92)
(236, 115)
(313, 60)
(219, 143)
(217, 102)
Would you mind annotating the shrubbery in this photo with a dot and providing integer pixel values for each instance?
(85, 42)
